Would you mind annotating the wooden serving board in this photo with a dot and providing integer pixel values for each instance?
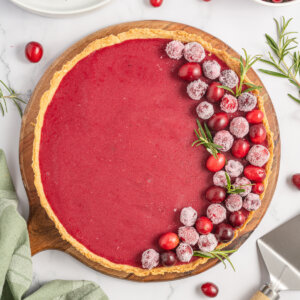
(42, 232)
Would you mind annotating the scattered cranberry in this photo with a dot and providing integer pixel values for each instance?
(184, 252)
(215, 194)
(205, 110)
(188, 216)
(168, 259)
(234, 202)
(257, 133)
(196, 89)
(229, 104)
(234, 168)
(225, 139)
(174, 49)
(247, 102)
(207, 242)
(211, 69)
(245, 184)
(229, 78)
(258, 155)
(219, 179)
(218, 121)
(210, 290)
(224, 233)
(193, 52)
(204, 225)
(256, 174)
(150, 259)
(237, 219)
(252, 202)
(277, 1)
(188, 235)
(240, 148)
(296, 180)
(34, 52)
(214, 93)
(258, 188)
(239, 127)
(216, 213)
(156, 3)
(168, 241)
(216, 164)
(190, 71)
(255, 116)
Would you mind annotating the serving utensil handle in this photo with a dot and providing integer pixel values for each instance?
(260, 296)
(266, 293)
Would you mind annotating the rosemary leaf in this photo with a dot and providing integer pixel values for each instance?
(294, 98)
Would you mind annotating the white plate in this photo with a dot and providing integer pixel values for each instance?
(57, 8)
(277, 4)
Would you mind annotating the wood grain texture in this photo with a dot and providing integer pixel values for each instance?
(42, 232)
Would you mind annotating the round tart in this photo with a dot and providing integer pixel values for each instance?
(113, 160)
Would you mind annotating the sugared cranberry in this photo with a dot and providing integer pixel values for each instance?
(209, 289)
(188, 235)
(168, 241)
(204, 225)
(174, 49)
(214, 93)
(239, 127)
(234, 168)
(225, 139)
(229, 78)
(252, 202)
(245, 184)
(207, 242)
(194, 52)
(218, 121)
(168, 259)
(256, 174)
(211, 69)
(205, 110)
(257, 133)
(219, 179)
(216, 213)
(190, 71)
(184, 252)
(258, 188)
(255, 116)
(229, 104)
(215, 194)
(150, 259)
(240, 148)
(237, 219)
(234, 202)
(188, 216)
(258, 155)
(296, 180)
(216, 164)
(34, 52)
(247, 102)
(196, 89)
(224, 233)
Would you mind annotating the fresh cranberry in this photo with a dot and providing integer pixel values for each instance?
(168, 241)
(168, 258)
(215, 194)
(257, 133)
(224, 233)
(237, 219)
(216, 164)
(156, 3)
(296, 180)
(209, 289)
(258, 188)
(277, 1)
(190, 71)
(214, 93)
(204, 225)
(34, 52)
(256, 174)
(218, 121)
(240, 148)
(255, 116)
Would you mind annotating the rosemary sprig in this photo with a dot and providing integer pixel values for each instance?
(6, 94)
(204, 138)
(221, 255)
(284, 61)
(231, 189)
(244, 68)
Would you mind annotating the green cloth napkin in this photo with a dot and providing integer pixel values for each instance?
(15, 257)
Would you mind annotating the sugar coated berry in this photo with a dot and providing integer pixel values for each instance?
(257, 133)
(258, 188)
(237, 219)
(239, 127)
(252, 202)
(150, 259)
(229, 104)
(194, 52)
(196, 89)
(216, 213)
(219, 179)
(168, 241)
(245, 184)
(216, 164)
(258, 155)
(255, 116)
(247, 102)
(214, 93)
(229, 78)
(218, 121)
(209, 289)
(234, 168)
(234, 202)
(224, 233)
(296, 180)
(188, 216)
(211, 69)
(215, 194)
(190, 71)
(205, 110)
(188, 235)
(224, 139)
(168, 258)
(184, 252)
(240, 148)
(207, 242)
(253, 173)
(174, 49)
(204, 225)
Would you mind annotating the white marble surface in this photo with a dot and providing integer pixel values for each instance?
(240, 23)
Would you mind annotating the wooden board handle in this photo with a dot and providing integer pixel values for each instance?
(260, 296)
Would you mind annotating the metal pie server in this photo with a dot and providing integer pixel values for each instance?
(280, 250)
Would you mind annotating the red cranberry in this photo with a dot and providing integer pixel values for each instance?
(258, 188)
(218, 121)
(209, 289)
(214, 93)
(156, 3)
(190, 71)
(204, 225)
(256, 174)
(240, 148)
(237, 219)
(34, 52)
(216, 164)
(168, 241)
(224, 233)
(168, 258)
(215, 194)
(277, 1)
(296, 180)
(257, 133)
(255, 116)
